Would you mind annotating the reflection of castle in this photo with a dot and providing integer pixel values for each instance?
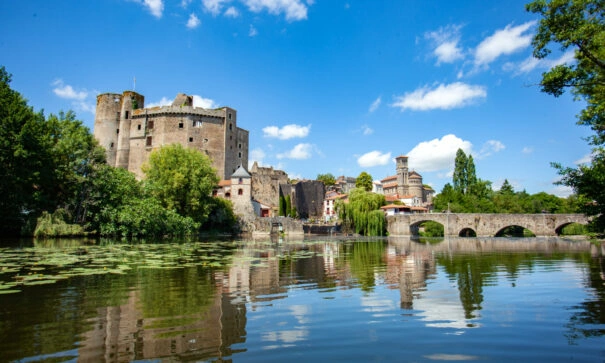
(122, 333)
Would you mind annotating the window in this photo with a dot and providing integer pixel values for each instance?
(229, 115)
(149, 141)
(240, 191)
(197, 124)
(111, 145)
(230, 126)
(240, 154)
(126, 115)
(117, 131)
(240, 180)
(191, 139)
(138, 127)
(150, 124)
(227, 195)
(239, 146)
(180, 125)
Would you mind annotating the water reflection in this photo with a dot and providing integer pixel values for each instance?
(201, 312)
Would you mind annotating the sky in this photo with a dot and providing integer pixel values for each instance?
(323, 86)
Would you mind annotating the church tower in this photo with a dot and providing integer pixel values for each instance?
(402, 175)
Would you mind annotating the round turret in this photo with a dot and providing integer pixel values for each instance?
(107, 118)
(130, 102)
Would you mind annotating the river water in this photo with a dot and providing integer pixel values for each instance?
(529, 299)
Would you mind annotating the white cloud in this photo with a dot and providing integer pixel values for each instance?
(527, 150)
(66, 91)
(445, 40)
(373, 158)
(490, 147)
(504, 41)
(257, 155)
(374, 106)
(193, 21)
(214, 7)
(198, 101)
(367, 130)
(185, 3)
(202, 102)
(232, 12)
(444, 96)
(287, 132)
(562, 191)
(156, 7)
(586, 159)
(437, 154)
(293, 9)
(253, 32)
(163, 102)
(532, 63)
(299, 152)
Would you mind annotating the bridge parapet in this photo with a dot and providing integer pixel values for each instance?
(484, 224)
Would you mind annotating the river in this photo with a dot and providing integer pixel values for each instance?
(319, 299)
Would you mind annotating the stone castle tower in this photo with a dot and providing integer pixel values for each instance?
(129, 132)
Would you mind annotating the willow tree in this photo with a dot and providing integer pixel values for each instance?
(362, 213)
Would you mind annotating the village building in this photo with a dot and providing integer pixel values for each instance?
(329, 206)
(406, 186)
(129, 132)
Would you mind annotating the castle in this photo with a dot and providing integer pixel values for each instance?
(129, 132)
(406, 185)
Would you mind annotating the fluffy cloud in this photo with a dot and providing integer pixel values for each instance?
(373, 158)
(193, 21)
(256, 155)
(445, 40)
(156, 7)
(287, 132)
(214, 7)
(527, 150)
(444, 96)
(293, 9)
(532, 63)
(198, 101)
(232, 12)
(490, 147)
(367, 130)
(437, 154)
(66, 91)
(299, 152)
(374, 106)
(505, 41)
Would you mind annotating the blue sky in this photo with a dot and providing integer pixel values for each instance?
(324, 86)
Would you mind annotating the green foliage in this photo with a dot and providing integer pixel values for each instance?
(362, 213)
(182, 180)
(578, 25)
(464, 179)
(288, 206)
(54, 225)
(364, 181)
(432, 229)
(328, 179)
(145, 217)
(221, 218)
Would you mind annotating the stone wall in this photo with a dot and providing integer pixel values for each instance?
(265, 185)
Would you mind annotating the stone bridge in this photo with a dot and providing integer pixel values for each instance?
(483, 224)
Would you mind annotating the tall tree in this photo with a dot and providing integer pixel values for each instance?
(460, 172)
(24, 158)
(364, 181)
(578, 26)
(182, 179)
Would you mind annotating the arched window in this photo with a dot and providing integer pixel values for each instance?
(240, 191)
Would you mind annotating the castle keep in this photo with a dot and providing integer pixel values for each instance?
(129, 132)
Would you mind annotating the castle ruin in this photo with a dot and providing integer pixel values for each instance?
(129, 132)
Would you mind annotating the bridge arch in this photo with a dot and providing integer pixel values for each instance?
(415, 228)
(467, 232)
(514, 230)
